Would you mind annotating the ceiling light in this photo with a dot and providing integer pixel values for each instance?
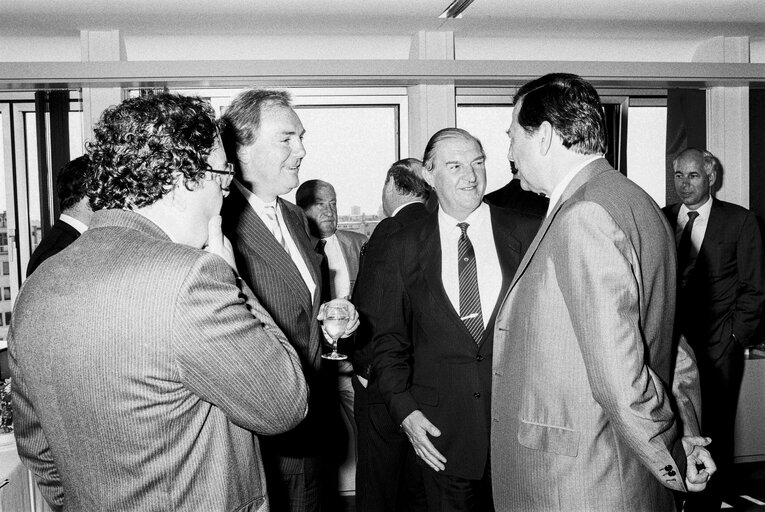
(456, 8)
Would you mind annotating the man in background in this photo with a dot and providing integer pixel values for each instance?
(582, 416)
(433, 335)
(513, 196)
(142, 372)
(339, 251)
(721, 296)
(75, 212)
(386, 480)
(263, 135)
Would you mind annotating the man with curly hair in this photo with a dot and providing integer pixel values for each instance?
(143, 368)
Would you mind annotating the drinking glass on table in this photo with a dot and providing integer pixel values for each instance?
(336, 319)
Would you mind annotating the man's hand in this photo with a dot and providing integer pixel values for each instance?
(701, 467)
(353, 316)
(219, 244)
(417, 427)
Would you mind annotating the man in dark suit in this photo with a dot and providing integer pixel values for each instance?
(512, 196)
(264, 136)
(340, 251)
(385, 478)
(434, 338)
(75, 212)
(142, 368)
(721, 296)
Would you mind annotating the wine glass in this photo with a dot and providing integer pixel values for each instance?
(336, 318)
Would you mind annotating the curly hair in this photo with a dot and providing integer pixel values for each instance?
(142, 145)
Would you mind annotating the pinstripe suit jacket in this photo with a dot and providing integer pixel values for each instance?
(582, 418)
(140, 375)
(276, 281)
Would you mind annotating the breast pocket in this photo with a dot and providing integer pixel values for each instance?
(562, 441)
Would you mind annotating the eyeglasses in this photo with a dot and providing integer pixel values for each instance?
(226, 176)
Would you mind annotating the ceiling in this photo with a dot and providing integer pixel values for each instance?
(482, 18)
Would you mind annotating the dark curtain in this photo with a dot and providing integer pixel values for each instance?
(686, 128)
(757, 151)
(614, 153)
(56, 104)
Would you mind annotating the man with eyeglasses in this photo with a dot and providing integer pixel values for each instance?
(264, 136)
(143, 370)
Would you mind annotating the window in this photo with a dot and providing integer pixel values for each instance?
(646, 148)
(6, 293)
(6, 268)
(489, 122)
(353, 135)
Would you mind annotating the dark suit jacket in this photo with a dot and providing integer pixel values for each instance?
(59, 237)
(270, 272)
(513, 197)
(425, 358)
(725, 293)
(140, 375)
(367, 296)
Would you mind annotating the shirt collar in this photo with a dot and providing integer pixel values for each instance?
(257, 203)
(477, 217)
(76, 224)
(402, 207)
(702, 210)
(567, 179)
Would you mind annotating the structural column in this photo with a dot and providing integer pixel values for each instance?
(99, 45)
(431, 107)
(728, 119)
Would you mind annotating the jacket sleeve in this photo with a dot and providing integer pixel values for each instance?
(686, 389)
(597, 277)
(230, 352)
(31, 442)
(392, 342)
(750, 296)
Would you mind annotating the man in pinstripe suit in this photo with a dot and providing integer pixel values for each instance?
(264, 135)
(142, 368)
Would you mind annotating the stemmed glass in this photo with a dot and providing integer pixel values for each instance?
(336, 319)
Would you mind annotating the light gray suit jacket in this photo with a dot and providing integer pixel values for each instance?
(141, 377)
(584, 359)
(351, 244)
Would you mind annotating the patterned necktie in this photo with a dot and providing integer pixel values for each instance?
(326, 291)
(273, 226)
(685, 260)
(470, 299)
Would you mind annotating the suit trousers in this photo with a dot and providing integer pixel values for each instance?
(447, 493)
(720, 386)
(387, 477)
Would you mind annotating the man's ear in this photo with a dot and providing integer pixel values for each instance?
(712, 180)
(545, 134)
(427, 175)
(242, 154)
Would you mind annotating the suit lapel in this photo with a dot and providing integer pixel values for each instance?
(430, 265)
(715, 225)
(261, 243)
(508, 252)
(300, 236)
(597, 167)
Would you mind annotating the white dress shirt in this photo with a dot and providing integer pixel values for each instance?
(699, 225)
(339, 277)
(76, 224)
(487, 262)
(260, 208)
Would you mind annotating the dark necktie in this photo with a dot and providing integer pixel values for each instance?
(326, 291)
(470, 299)
(685, 259)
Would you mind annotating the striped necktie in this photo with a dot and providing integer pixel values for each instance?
(273, 226)
(470, 299)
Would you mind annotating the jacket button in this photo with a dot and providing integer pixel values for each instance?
(479, 358)
(476, 395)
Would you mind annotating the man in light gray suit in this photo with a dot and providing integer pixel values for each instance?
(585, 367)
(142, 367)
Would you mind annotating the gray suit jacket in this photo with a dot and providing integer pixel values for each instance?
(140, 375)
(351, 244)
(584, 358)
